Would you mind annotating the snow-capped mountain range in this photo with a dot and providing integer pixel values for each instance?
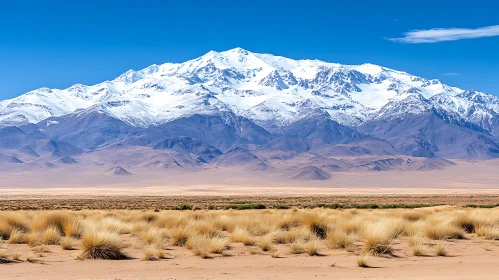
(303, 118)
(270, 90)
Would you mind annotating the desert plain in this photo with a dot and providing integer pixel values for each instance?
(228, 224)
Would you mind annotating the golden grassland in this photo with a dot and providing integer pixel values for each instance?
(106, 234)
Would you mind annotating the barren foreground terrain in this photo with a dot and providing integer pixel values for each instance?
(440, 242)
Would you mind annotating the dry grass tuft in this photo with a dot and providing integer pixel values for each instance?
(275, 254)
(150, 254)
(65, 223)
(317, 224)
(265, 243)
(488, 231)
(312, 247)
(418, 251)
(33, 259)
(378, 239)
(16, 257)
(203, 245)
(243, 236)
(179, 237)
(4, 258)
(339, 239)
(437, 230)
(296, 249)
(362, 261)
(440, 250)
(18, 237)
(68, 243)
(50, 236)
(101, 245)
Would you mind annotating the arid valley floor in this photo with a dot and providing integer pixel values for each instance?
(454, 236)
(230, 224)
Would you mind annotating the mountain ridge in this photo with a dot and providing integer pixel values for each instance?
(305, 119)
(272, 91)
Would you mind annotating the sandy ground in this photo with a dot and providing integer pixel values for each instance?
(467, 259)
(465, 177)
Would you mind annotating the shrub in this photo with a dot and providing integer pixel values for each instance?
(245, 206)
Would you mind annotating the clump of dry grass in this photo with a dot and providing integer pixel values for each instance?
(116, 225)
(16, 257)
(438, 229)
(417, 245)
(243, 236)
(465, 222)
(275, 254)
(378, 239)
(41, 249)
(265, 243)
(290, 236)
(203, 246)
(296, 248)
(362, 261)
(179, 236)
(414, 215)
(317, 224)
(312, 247)
(32, 239)
(98, 244)
(66, 224)
(50, 236)
(68, 243)
(157, 236)
(339, 239)
(10, 222)
(4, 258)
(440, 250)
(18, 237)
(150, 254)
(418, 250)
(33, 259)
(488, 231)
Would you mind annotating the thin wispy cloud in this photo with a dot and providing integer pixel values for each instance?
(446, 34)
(452, 74)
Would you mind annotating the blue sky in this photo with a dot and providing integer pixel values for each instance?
(59, 43)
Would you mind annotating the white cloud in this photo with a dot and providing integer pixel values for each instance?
(452, 74)
(450, 34)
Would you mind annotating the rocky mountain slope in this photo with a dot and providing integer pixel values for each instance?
(238, 108)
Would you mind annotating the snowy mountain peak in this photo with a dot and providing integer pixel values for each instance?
(270, 90)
